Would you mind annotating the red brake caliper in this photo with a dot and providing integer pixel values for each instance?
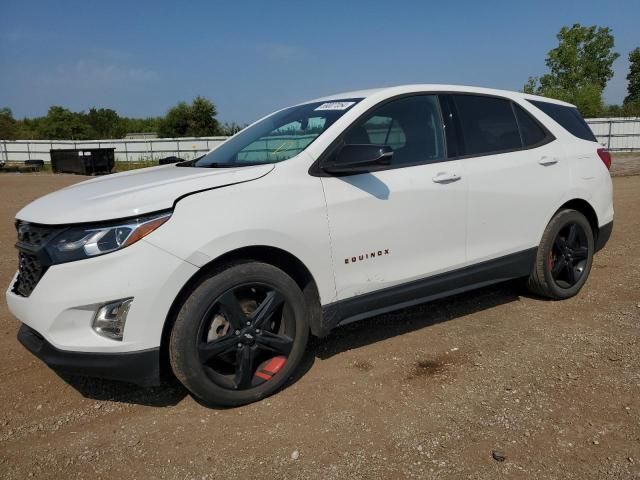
(272, 367)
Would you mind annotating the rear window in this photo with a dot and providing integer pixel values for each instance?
(488, 124)
(568, 117)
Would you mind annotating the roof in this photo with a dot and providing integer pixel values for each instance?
(427, 87)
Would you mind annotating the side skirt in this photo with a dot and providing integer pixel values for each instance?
(511, 266)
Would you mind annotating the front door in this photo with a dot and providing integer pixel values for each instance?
(408, 221)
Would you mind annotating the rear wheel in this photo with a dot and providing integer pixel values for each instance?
(564, 257)
(240, 334)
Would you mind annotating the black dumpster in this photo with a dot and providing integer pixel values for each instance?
(83, 161)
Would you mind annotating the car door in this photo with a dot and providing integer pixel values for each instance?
(403, 223)
(514, 172)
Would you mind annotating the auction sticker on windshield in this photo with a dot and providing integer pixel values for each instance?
(335, 106)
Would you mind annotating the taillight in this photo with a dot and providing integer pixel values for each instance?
(605, 156)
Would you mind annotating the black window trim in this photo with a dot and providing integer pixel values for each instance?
(316, 171)
(515, 115)
(548, 138)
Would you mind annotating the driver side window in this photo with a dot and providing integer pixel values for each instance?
(411, 126)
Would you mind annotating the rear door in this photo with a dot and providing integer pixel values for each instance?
(514, 171)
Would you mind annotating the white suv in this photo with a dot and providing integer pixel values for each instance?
(323, 213)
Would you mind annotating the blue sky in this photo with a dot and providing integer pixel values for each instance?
(250, 58)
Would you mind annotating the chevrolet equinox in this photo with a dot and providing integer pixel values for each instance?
(218, 269)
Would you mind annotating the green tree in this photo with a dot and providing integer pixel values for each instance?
(27, 129)
(633, 87)
(531, 86)
(8, 130)
(61, 123)
(229, 129)
(613, 111)
(588, 99)
(104, 123)
(631, 109)
(579, 68)
(584, 55)
(176, 122)
(203, 118)
(195, 120)
(139, 125)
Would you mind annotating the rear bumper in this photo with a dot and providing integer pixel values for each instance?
(139, 367)
(604, 233)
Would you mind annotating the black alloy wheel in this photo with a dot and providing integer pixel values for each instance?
(240, 334)
(246, 336)
(568, 256)
(564, 256)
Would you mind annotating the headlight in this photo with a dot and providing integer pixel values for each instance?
(77, 243)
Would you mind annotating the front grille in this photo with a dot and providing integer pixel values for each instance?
(30, 271)
(34, 235)
(32, 259)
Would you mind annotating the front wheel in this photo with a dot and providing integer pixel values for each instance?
(239, 335)
(564, 257)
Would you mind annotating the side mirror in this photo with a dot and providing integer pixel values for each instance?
(353, 159)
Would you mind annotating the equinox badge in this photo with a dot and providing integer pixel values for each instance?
(366, 256)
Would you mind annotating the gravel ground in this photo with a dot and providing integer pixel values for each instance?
(490, 384)
(625, 164)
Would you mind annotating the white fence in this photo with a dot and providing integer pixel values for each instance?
(130, 150)
(617, 134)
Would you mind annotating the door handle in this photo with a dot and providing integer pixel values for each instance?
(548, 161)
(445, 177)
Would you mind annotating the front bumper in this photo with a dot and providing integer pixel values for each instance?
(141, 367)
(62, 306)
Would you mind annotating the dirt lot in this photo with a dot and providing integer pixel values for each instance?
(427, 392)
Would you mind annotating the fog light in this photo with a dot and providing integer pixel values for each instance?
(111, 317)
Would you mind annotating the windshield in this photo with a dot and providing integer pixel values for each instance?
(278, 137)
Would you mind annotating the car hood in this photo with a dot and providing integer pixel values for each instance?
(132, 193)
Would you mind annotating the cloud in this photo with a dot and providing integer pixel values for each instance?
(281, 51)
(99, 74)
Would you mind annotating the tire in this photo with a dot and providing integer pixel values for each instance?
(240, 335)
(564, 257)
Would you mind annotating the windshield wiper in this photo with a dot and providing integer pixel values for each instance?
(232, 165)
(189, 163)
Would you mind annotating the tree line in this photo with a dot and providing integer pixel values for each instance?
(580, 68)
(195, 119)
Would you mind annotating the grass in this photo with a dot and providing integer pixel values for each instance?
(125, 166)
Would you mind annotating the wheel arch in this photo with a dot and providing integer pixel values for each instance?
(277, 257)
(587, 210)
